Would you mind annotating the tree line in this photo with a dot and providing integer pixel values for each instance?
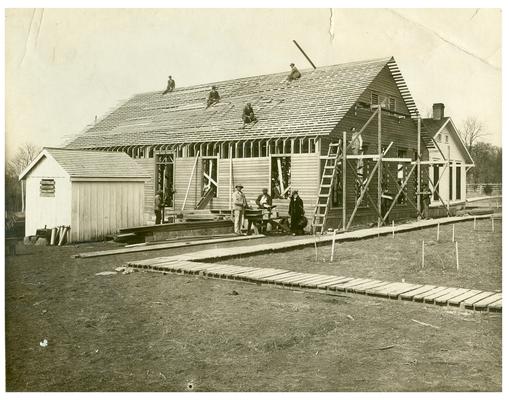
(487, 157)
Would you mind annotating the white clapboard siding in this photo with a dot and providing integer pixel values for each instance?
(43, 211)
(305, 177)
(183, 170)
(224, 188)
(148, 166)
(102, 208)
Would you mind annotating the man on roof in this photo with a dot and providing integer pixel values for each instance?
(213, 97)
(171, 86)
(248, 114)
(294, 73)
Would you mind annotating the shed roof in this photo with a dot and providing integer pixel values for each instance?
(91, 164)
(311, 105)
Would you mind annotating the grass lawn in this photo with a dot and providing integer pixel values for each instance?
(153, 332)
(385, 258)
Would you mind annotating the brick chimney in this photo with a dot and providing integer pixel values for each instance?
(438, 110)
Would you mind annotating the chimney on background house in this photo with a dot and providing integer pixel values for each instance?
(438, 110)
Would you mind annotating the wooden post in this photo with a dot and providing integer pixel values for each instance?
(492, 224)
(422, 255)
(333, 245)
(393, 229)
(418, 166)
(316, 248)
(379, 151)
(475, 220)
(343, 169)
(438, 232)
(450, 178)
(190, 179)
(22, 197)
(378, 228)
(453, 236)
(457, 256)
(231, 180)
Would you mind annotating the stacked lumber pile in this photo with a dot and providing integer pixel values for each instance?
(150, 233)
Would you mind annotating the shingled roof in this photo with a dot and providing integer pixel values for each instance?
(91, 164)
(433, 126)
(312, 105)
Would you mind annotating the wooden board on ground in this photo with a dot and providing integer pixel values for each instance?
(163, 246)
(450, 295)
(472, 300)
(483, 304)
(410, 295)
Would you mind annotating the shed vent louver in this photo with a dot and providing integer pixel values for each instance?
(47, 188)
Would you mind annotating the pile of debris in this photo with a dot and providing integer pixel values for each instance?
(56, 236)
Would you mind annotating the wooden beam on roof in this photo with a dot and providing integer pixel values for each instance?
(305, 55)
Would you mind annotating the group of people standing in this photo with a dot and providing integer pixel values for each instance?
(264, 202)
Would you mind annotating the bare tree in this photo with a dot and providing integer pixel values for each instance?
(472, 131)
(14, 192)
(23, 157)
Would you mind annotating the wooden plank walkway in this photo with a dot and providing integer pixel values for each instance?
(293, 243)
(193, 263)
(439, 295)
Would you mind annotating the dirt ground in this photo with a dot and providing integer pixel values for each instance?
(385, 258)
(153, 332)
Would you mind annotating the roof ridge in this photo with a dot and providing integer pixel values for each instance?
(207, 84)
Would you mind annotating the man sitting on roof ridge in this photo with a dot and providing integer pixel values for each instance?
(294, 73)
(213, 97)
(171, 85)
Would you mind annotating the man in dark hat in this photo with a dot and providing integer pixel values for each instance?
(294, 73)
(248, 114)
(239, 204)
(170, 87)
(213, 97)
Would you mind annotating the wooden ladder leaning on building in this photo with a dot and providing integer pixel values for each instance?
(323, 199)
(334, 154)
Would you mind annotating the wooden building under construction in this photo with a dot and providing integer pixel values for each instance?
(345, 136)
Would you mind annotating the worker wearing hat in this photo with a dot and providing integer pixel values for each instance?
(213, 97)
(239, 204)
(171, 85)
(294, 74)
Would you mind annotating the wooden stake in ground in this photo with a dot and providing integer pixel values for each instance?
(492, 224)
(422, 255)
(452, 233)
(316, 247)
(475, 220)
(393, 229)
(457, 257)
(438, 232)
(333, 245)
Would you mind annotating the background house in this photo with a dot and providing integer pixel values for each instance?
(95, 193)
(451, 161)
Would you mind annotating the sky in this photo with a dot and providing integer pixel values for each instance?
(64, 67)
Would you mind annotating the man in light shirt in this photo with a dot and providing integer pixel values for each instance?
(239, 203)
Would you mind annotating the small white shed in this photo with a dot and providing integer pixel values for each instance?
(93, 192)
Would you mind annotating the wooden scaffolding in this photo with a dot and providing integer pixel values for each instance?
(338, 161)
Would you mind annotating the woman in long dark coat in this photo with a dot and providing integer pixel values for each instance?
(296, 213)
